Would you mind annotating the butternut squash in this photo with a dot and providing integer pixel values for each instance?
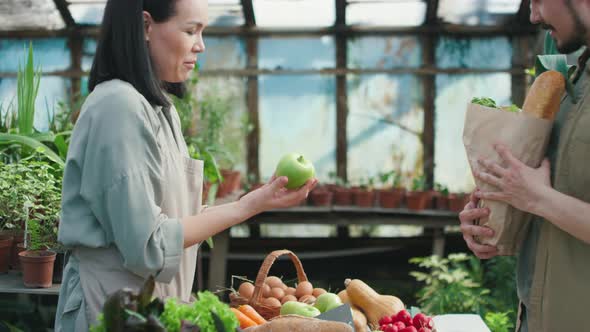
(359, 319)
(374, 305)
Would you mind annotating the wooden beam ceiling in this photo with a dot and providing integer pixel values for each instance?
(64, 11)
(248, 10)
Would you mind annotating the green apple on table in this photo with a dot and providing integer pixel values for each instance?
(327, 302)
(296, 168)
(299, 308)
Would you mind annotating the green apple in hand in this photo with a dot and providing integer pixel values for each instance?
(296, 168)
(327, 302)
(299, 308)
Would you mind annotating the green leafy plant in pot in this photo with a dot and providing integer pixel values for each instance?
(418, 198)
(364, 196)
(392, 193)
(441, 197)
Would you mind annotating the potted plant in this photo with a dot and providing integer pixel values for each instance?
(321, 196)
(441, 197)
(343, 194)
(364, 196)
(37, 260)
(417, 198)
(6, 241)
(457, 201)
(392, 193)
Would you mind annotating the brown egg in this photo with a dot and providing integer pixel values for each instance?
(246, 290)
(309, 299)
(288, 298)
(283, 286)
(266, 291)
(277, 293)
(304, 288)
(318, 291)
(273, 281)
(290, 291)
(271, 302)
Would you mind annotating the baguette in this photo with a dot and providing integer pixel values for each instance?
(294, 323)
(545, 95)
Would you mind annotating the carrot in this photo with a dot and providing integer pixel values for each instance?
(252, 314)
(244, 320)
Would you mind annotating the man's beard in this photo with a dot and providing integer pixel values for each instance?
(580, 33)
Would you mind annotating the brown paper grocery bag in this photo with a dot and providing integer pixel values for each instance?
(527, 137)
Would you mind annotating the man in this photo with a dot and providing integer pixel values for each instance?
(553, 272)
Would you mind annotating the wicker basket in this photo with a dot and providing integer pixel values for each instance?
(264, 310)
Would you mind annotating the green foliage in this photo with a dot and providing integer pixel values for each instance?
(484, 101)
(198, 313)
(499, 321)
(461, 283)
(390, 179)
(444, 190)
(419, 183)
(553, 60)
(18, 136)
(31, 190)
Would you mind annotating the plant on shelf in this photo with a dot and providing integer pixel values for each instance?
(19, 138)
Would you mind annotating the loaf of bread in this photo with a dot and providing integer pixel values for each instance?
(294, 323)
(545, 95)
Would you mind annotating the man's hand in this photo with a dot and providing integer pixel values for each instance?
(469, 214)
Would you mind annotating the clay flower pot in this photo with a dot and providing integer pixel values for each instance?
(37, 267)
(231, 182)
(417, 200)
(441, 202)
(457, 202)
(391, 198)
(364, 198)
(343, 196)
(321, 197)
(5, 252)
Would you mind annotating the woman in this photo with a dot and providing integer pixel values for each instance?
(131, 195)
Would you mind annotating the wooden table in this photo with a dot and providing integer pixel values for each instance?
(433, 220)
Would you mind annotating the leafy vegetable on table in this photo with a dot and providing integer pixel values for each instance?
(126, 311)
(489, 102)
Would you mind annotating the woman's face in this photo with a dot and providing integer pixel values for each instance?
(174, 44)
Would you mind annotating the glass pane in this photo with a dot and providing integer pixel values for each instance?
(229, 94)
(474, 53)
(294, 13)
(50, 53)
(88, 52)
(477, 12)
(298, 114)
(52, 89)
(223, 53)
(402, 13)
(385, 122)
(384, 52)
(225, 14)
(29, 15)
(297, 53)
(453, 94)
(87, 13)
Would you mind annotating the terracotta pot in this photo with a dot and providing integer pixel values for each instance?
(37, 267)
(321, 197)
(19, 238)
(417, 200)
(15, 264)
(364, 198)
(391, 198)
(457, 202)
(231, 182)
(343, 196)
(5, 252)
(441, 202)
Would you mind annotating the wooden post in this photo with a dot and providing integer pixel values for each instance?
(429, 93)
(520, 59)
(253, 139)
(76, 48)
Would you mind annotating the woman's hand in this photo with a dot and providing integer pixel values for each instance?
(469, 214)
(520, 186)
(274, 195)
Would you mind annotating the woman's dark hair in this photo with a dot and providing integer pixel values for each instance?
(122, 51)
